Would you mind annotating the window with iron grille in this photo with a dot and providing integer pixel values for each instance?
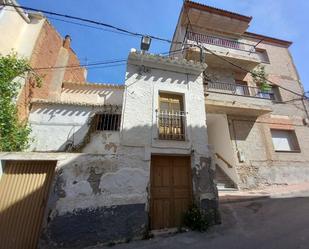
(171, 117)
(107, 122)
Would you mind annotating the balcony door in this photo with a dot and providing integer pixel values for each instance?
(171, 117)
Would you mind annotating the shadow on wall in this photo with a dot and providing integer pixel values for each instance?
(240, 129)
(144, 73)
(58, 127)
(93, 95)
(86, 90)
(53, 110)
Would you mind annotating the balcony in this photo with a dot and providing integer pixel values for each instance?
(238, 89)
(237, 99)
(238, 52)
(171, 125)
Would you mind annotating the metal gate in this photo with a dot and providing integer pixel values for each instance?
(24, 188)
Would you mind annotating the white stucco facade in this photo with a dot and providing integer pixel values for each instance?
(17, 34)
(109, 174)
(121, 157)
(56, 124)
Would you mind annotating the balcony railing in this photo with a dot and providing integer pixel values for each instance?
(238, 89)
(222, 42)
(171, 125)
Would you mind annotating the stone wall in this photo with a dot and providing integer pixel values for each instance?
(262, 165)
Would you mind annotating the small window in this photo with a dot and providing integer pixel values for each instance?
(285, 140)
(171, 117)
(262, 53)
(107, 122)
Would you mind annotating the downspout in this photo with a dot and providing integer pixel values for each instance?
(20, 11)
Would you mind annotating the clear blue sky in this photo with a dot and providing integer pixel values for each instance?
(284, 19)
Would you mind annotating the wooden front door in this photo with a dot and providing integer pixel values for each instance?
(24, 188)
(171, 192)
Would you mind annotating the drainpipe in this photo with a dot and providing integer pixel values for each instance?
(19, 10)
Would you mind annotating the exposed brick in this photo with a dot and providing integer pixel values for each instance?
(45, 54)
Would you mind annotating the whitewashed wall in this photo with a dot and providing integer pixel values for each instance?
(92, 93)
(146, 77)
(17, 34)
(220, 140)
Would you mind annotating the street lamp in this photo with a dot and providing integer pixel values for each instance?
(145, 43)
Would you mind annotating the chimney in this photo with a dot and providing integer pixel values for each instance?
(67, 42)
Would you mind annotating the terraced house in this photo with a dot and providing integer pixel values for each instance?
(111, 162)
(259, 137)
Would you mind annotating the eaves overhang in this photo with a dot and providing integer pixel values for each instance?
(200, 17)
(70, 103)
(92, 85)
(203, 7)
(166, 63)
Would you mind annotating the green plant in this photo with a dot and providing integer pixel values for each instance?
(14, 134)
(199, 219)
(259, 77)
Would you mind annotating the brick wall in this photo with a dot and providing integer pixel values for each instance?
(74, 74)
(46, 54)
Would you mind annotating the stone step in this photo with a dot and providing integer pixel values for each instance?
(223, 181)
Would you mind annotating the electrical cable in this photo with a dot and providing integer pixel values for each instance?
(122, 30)
(88, 21)
(90, 65)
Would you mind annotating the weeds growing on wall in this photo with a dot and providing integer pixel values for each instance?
(14, 134)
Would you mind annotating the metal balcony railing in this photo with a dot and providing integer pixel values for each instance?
(222, 42)
(238, 89)
(171, 125)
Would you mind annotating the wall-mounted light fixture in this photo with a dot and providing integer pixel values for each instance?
(145, 43)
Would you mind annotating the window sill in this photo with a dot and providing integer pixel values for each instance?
(288, 151)
(169, 140)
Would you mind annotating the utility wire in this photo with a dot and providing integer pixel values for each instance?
(122, 30)
(90, 26)
(81, 65)
(98, 63)
(89, 21)
(252, 73)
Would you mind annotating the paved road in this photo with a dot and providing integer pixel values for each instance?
(258, 224)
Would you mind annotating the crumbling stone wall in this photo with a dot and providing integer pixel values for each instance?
(262, 165)
(96, 199)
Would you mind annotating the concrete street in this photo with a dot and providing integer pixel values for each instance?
(275, 222)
